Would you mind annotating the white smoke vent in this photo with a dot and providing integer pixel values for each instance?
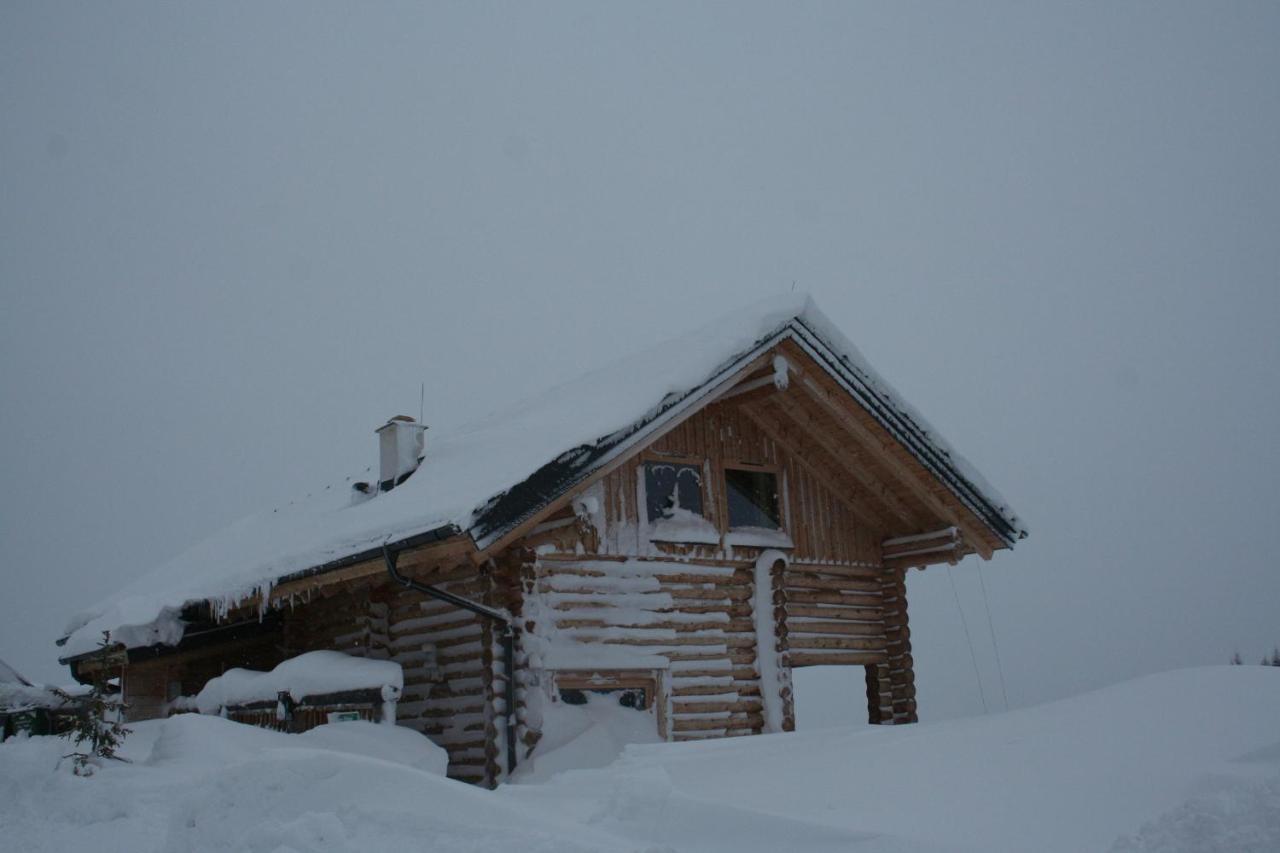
(400, 447)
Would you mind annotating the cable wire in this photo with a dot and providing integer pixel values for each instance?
(968, 639)
(991, 626)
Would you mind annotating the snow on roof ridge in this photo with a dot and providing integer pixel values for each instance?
(853, 358)
(475, 463)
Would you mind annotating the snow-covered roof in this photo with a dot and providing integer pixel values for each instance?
(9, 675)
(488, 476)
(18, 694)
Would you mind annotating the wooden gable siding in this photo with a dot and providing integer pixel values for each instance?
(890, 472)
(819, 521)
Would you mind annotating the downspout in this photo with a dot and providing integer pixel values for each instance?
(508, 639)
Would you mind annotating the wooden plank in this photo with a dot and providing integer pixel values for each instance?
(805, 642)
(730, 721)
(822, 597)
(837, 403)
(863, 629)
(865, 658)
(679, 707)
(797, 581)
(870, 572)
(856, 463)
(854, 614)
(822, 466)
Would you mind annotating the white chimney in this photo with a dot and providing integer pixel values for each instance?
(400, 446)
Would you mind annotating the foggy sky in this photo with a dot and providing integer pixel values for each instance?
(234, 238)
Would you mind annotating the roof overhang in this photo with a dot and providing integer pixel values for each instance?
(322, 573)
(508, 515)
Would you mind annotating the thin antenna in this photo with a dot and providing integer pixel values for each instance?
(422, 400)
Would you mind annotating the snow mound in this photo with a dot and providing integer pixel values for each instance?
(1230, 815)
(576, 737)
(210, 785)
(1181, 761)
(1186, 760)
(216, 742)
(307, 674)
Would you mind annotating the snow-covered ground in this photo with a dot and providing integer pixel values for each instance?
(1183, 761)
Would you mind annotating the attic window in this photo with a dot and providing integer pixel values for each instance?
(753, 499)
(671, 489)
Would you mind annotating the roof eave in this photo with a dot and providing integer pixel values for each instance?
(428, 537)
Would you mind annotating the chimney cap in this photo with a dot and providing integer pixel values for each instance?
(401, 420)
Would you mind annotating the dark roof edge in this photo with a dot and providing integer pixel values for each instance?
(509, 509)
(437, 534)
(912, 435)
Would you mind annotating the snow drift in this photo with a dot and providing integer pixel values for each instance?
(1183, 761)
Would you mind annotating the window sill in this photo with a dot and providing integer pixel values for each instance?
(686, 528)
(758, 537)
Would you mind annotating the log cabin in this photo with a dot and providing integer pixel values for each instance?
(34, 709)
(677, 531)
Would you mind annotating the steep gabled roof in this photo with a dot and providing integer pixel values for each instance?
(501, 470)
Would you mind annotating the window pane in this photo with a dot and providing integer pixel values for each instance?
(628, 697)
(753, 499)
(669, 486)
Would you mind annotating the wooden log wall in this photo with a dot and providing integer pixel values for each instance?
(836, 602)
(149, 685)
(446, 656)
(445, 653)
(835, 615)
(696, 618)
(896, 677)
(145, 691)
(822, 526)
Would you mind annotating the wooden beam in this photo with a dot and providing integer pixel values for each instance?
(769, 423)
(856, 462)
(837, 406)
(823, 659)
(748, 386)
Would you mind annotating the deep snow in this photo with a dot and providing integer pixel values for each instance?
(1182, 761)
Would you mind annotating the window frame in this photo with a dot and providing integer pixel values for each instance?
(653, 458)
(779, 483)
(647, 680)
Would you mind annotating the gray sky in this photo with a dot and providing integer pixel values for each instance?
(234, 238)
